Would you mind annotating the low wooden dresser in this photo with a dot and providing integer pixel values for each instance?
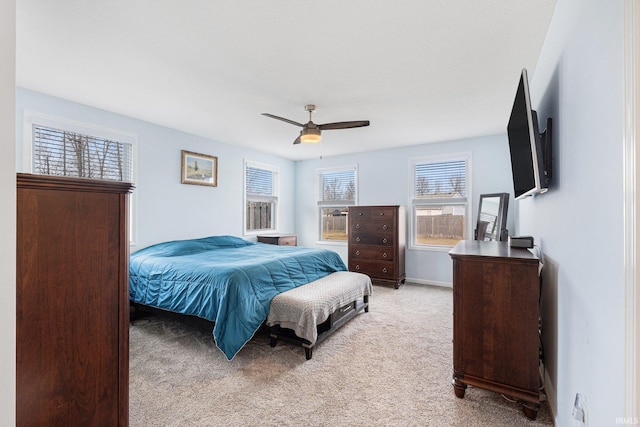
(279, 239)
(377, 236)
(496, 313)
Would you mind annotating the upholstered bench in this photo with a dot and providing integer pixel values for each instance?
(306, 315)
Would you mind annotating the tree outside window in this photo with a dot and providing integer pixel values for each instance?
(65, 153)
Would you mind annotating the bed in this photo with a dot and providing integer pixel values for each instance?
(225, 279)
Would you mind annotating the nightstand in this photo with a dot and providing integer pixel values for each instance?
(279, 239)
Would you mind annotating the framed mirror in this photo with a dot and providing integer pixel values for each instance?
(492, 217)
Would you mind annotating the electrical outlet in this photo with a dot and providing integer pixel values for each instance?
(578, 412)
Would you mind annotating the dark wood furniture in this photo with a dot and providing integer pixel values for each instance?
(279, 239)
(495, 321)
(72, 326)
(377, 242)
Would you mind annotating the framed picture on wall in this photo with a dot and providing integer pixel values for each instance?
(199, 169)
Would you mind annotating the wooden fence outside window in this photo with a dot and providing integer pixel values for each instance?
(259, 215)
(441, 226)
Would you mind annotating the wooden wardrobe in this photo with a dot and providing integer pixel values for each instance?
(72, 358)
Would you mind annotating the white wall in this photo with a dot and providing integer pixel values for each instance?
(7, 211)
(383, 179)
(579, 222)
(167, 209)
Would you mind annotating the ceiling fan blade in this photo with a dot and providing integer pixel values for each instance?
(344, 125)
(283, 119)
(299, 138)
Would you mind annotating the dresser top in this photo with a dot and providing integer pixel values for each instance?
(66, 183)
(479, 248)
(374, 206)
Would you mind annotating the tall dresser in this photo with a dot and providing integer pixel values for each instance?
(72, 326)
(377, 236)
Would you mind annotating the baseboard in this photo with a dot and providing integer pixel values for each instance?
(550, 392)
(430, 282)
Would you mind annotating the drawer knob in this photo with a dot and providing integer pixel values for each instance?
(357, 226)
(384, 255)
(384, 270)
(384, 240)
(357, 239)
(358, 253)
(385, 227)
(360, 213)
(381, 213)
(358, 267)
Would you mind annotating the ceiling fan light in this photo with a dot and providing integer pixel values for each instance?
(310, 139)
(310, 136)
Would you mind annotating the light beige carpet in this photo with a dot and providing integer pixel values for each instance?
(389, 367)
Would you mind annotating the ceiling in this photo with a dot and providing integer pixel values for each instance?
(420, 70)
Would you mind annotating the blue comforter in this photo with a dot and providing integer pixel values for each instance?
(225, 279)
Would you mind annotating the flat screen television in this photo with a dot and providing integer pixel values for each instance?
(530, 150)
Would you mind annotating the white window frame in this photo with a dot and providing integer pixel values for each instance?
(414, 202)
(32, 118)
(333, 204)
(274, 198)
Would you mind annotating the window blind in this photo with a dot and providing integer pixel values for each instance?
(338, 186)
(441, 179)
(259, 182)
(64, 153)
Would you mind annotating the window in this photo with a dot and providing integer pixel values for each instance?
(62, 147)
(261, 197)
(337, 191)
(439, 204)
(66, 153)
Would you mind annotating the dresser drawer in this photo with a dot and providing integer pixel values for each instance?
(373, 269)
(384, 225)
(371, 253)
(359, 213)
(382, 239)
(383, 212)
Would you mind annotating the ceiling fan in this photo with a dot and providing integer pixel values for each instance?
(310, 132)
